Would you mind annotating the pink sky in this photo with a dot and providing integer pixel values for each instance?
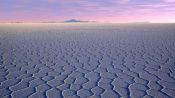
(114, 11)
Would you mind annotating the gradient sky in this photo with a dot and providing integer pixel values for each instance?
(91, 10)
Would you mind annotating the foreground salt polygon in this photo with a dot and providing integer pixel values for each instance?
(87, 60)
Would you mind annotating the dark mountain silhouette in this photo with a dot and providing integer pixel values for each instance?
(74, 20)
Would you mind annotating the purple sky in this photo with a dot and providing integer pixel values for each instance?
(92, 10)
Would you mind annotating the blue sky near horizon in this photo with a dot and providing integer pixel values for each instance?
(92, 10)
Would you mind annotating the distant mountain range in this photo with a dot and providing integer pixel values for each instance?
(73, 20)
(66, 21)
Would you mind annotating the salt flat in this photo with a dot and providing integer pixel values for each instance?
(87, 60)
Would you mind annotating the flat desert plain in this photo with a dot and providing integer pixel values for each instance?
(83, 60)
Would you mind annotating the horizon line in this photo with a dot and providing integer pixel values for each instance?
(87, 22)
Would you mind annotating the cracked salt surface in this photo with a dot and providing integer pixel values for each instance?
(87, 60)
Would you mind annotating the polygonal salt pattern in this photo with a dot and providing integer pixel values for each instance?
(87, 61)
